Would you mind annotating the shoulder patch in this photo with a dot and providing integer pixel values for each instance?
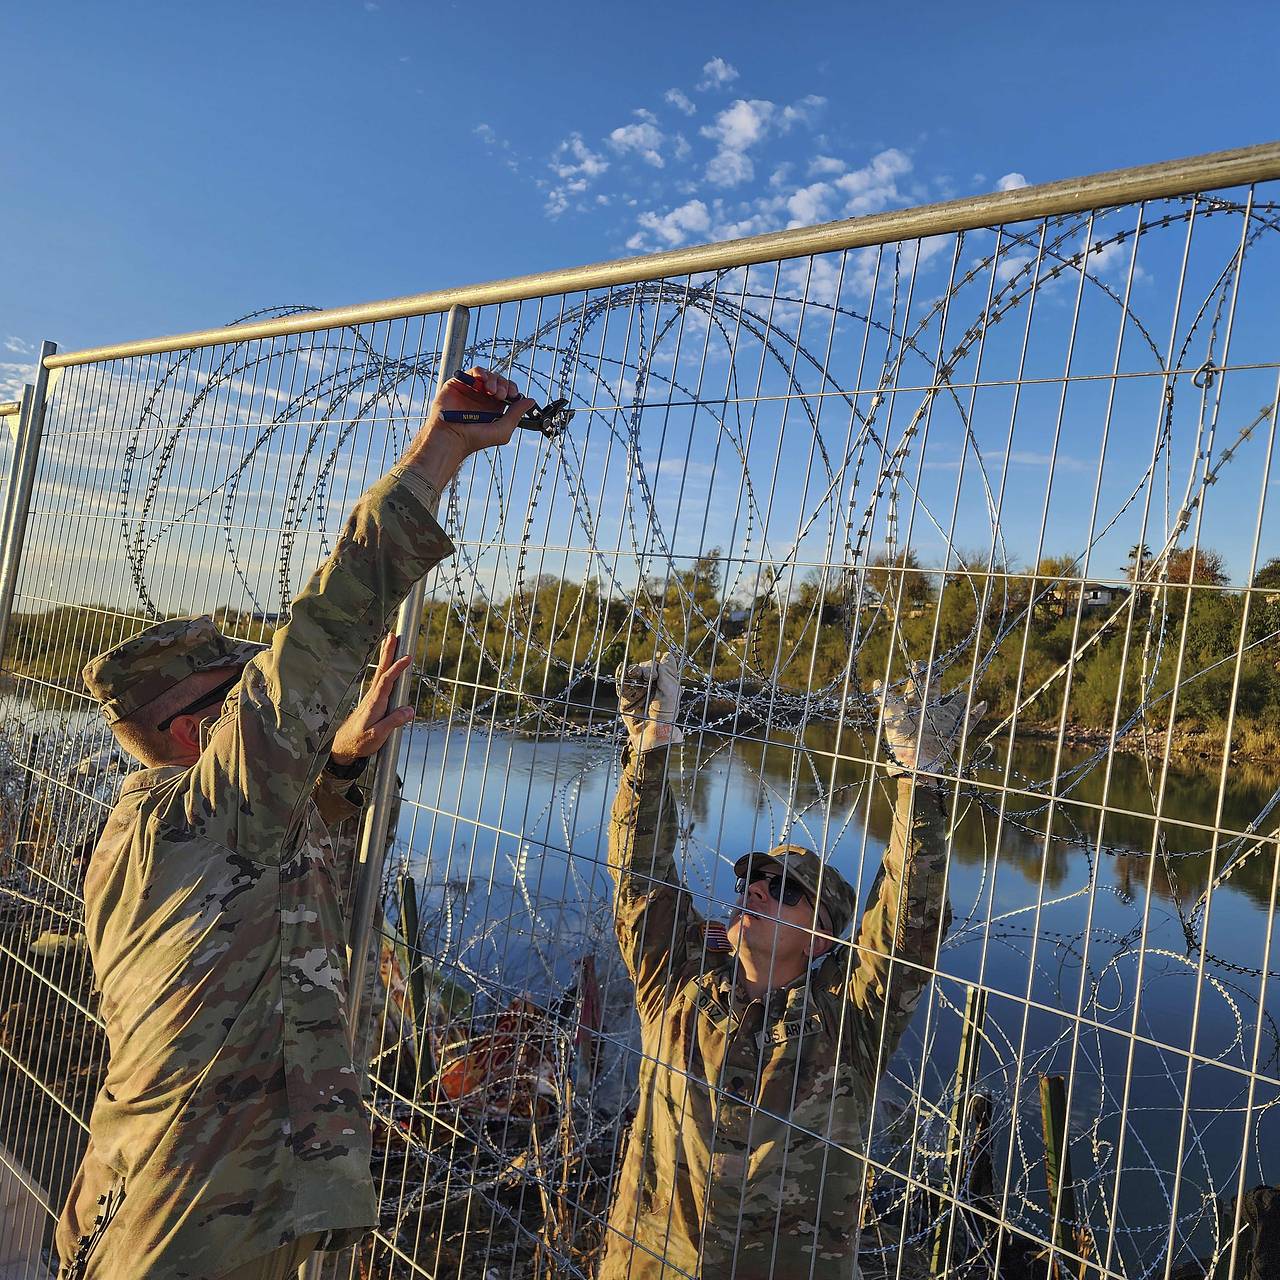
(716, 936)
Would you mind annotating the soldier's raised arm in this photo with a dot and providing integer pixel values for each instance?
(908, 914)
(653, 911)
(260, 760)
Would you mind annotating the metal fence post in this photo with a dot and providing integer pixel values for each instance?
(373, 835)
(18, 500)
(19, 428)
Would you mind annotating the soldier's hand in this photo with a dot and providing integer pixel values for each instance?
(441, 447)
(648, 699)
(924, 735)
(370, 724)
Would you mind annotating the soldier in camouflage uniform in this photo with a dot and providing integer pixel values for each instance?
(762, 1044)
(229, 1139)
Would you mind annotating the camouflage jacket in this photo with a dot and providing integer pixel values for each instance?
(744, 1156)
(230, 1115)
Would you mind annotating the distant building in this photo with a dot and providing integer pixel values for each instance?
(1098, 595)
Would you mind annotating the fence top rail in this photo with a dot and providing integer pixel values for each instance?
(9, 407)
(1215, 170)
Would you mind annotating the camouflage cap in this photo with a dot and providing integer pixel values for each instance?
(820, 880)
(141, 669)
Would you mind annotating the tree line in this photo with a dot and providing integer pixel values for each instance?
(1133, 638)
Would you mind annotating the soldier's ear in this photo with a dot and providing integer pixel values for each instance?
(184, 735)
(818, 947)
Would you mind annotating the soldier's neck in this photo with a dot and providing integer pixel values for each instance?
(758, 975)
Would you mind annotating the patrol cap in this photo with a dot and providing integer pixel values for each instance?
(820, 880)
(141, 669)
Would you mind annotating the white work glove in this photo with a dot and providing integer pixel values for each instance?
(648, 698)
(924, 736)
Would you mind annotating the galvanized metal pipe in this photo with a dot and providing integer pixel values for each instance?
(1215, 170)
(373, 837)
(15, 468)
(19, 497)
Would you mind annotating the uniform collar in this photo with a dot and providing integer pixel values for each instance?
(145, 779)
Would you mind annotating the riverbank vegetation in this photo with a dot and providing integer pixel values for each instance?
(1092, 657)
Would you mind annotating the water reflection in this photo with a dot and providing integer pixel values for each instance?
(1089, 928)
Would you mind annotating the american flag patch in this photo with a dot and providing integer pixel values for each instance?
(717, 936)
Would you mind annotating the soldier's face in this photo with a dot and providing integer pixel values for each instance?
(771, 929)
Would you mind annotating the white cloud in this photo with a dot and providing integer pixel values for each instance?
(716, 74)
(681, 101)
(917, 253)
(12, 376)
(1114, 258)
(826, 165)
(821, 280)
(1012, 265)
(576, 165)
(730, 168)
(1011, 182)
(682, 147)
(736, 128)
(744, 124)
(741, 125)
(487, 135)
(802, 112)
(672, 228)
(809, 204)
(874, 185)
(573, 158)
(644, 138)
(18, 346)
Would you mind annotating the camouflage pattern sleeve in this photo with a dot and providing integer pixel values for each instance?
(906, 920)
(263, 756)
(339, 799)
(652, 909)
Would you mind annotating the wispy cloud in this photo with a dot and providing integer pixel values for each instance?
(681, 101)
(716, 74)
(826, 165)
(672, 228)
(489, 136)
(711, 183)
(12, 376)
(874, 186)
(745, 124)
(18, 346)
(577, 166)
(644, 138)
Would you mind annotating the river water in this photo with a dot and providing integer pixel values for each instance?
(1139, 978)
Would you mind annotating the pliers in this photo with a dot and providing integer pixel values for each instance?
(550, 419)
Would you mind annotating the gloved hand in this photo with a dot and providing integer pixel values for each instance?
(920, 736)
(648, 698)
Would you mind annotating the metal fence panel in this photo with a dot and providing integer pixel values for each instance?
(1034, 457)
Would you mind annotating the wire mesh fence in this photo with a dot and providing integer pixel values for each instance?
(1028, 464)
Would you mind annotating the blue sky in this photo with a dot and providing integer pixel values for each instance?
(172, 166)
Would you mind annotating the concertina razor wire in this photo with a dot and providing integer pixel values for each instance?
(1023, 457)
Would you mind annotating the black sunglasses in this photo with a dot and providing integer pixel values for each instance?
(213, 697)
(788, 893)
